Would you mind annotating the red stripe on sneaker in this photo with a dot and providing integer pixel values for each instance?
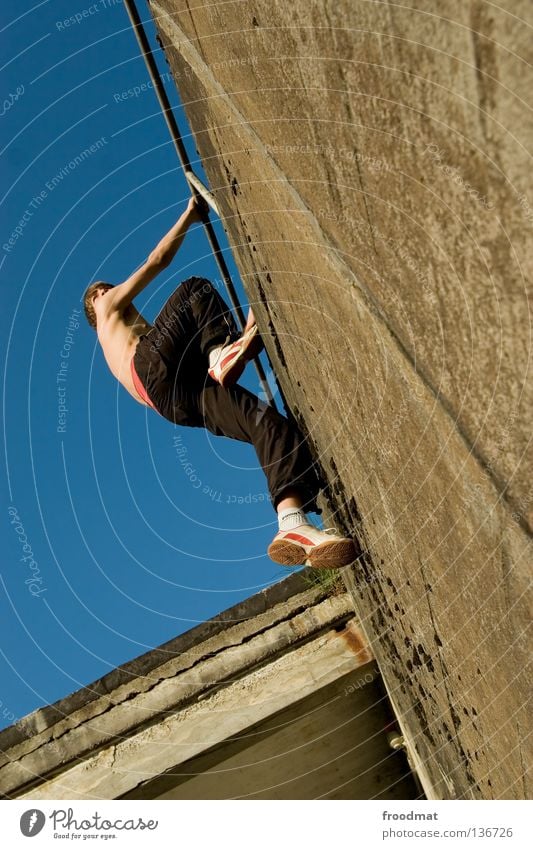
(229, 358)
(300, 539)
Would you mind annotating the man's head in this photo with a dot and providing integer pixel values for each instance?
(92, 293)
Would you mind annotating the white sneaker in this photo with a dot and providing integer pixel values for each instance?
(226, 364)
(307, 545)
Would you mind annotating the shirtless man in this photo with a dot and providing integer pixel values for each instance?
(185, 366)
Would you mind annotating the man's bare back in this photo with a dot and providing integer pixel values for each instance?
(119, 334)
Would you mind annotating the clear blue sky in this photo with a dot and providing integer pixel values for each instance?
(124, 548)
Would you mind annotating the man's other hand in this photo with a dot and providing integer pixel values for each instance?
(198, 208)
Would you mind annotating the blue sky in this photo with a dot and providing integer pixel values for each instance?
(116, 536)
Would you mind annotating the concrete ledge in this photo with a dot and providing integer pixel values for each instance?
(144, 666)
(181, 735)
(263, 631)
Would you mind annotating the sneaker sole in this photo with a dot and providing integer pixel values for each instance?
(332, 555)
(328, 555)
(286, 553)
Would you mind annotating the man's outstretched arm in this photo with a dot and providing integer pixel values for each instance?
(162, 255)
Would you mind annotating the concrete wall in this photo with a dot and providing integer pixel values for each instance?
(371, 164)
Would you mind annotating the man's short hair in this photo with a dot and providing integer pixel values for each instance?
(88, 306)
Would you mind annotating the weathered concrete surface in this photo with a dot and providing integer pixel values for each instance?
(371, 163)
(288, 652)
(329, 745)
(142, 673)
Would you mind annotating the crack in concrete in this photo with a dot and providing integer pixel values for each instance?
(224, 682)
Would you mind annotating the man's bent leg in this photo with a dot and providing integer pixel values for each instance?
(282, 452)
(194, 319)
(291, 476)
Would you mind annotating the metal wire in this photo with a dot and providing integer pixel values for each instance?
(195, 184)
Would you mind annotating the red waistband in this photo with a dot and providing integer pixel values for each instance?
(140, 388)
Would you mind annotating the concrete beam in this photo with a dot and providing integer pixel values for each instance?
(119, 767)
(180, 680)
